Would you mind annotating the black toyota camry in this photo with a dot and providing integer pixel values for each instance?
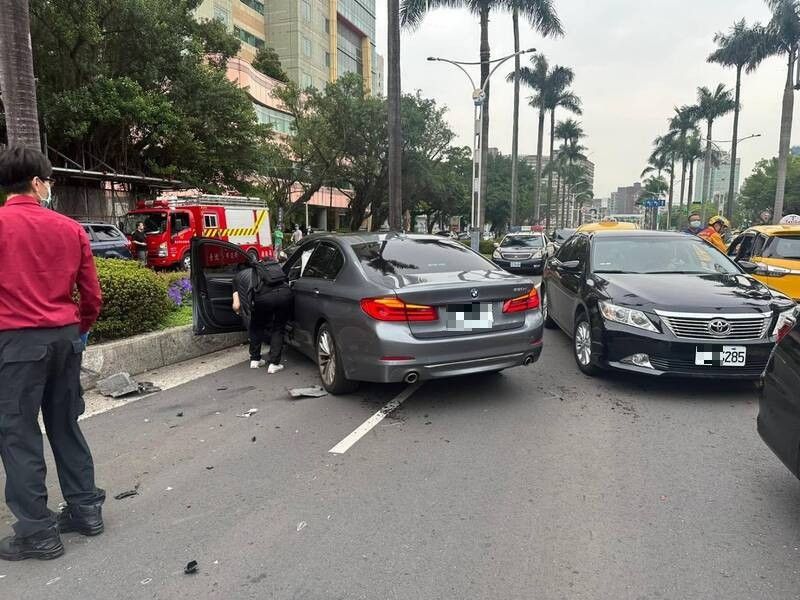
(661, 304)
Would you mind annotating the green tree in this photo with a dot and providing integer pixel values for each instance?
(140, 86)
(682, 124)
(781, 37)
(269, 63)
(758, 190)
(662, 160)
(540, 14)
(737, 49)
(711, 105)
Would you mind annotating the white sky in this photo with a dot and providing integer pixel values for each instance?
(633, 60)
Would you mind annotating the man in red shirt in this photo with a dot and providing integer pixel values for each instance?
(44, 258)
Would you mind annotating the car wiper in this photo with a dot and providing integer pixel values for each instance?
(611, 272)
(678, 272)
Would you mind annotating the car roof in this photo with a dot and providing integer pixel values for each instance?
(367, 237)
(607, 226)
(775, 229)
(638, 233)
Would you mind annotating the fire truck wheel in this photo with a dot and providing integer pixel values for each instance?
(186, 262)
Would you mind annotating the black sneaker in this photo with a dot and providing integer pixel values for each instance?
(44, 545)
(86, 520)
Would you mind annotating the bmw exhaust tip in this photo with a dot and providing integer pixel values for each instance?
(412, 377)
(528, 361)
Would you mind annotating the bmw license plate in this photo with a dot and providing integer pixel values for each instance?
(469, 317)
(727, 356)
(515, 265)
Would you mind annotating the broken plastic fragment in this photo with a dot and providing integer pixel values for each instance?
(191, 567)
(310, 392)
(246, 415)
(254, 439)
(128, 493)
(180, 414)
(301, 525)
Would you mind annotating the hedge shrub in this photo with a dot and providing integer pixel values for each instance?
(484, 246)
(134, 300)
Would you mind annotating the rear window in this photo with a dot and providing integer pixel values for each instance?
(406, 256)
(785, 246)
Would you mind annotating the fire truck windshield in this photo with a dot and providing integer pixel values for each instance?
(154, 222)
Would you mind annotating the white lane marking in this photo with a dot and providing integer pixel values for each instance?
(367, 425)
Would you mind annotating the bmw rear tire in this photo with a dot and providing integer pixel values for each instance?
(329, 362)
(545, 303)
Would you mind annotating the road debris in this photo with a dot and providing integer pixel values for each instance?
(191, 567)
(248, 414)
(180, 414)
(52, 581)
(209, 468)
(128, 493)
(254, 439)
(314, 391)
(146, 581)
(122, 384)
(301, 525)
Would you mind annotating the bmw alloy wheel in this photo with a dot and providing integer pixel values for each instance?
(326, 357)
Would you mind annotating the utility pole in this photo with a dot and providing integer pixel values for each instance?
(395, 125)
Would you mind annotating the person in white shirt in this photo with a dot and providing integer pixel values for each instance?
(297, 235)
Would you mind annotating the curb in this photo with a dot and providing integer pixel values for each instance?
(151, 351)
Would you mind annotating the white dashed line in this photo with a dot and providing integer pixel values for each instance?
(367, 425)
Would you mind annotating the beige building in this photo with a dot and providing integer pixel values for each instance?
(317, 40)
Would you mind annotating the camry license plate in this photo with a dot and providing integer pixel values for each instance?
(468, 317)
(516, 265)
(726, 356)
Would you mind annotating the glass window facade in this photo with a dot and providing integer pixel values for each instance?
(349, 55)
(306, 9)
(222, 14)
(361, 13)
(281, 122)
(256, 5)
(248, 38)
(307, 48)
(306, 81)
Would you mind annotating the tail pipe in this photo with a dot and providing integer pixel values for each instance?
(528, 361)
(412, 377)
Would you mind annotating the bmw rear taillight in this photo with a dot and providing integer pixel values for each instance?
(395, 310)
(529, 301)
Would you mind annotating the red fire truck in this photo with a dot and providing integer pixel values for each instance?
(171, 221)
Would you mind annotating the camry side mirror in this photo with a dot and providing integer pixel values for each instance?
(747, 266)
(571, 265)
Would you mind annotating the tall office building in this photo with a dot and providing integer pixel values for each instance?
(623, 201)
(317, 40)
(720, 179)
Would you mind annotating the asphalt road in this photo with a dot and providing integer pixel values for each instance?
(538, 483)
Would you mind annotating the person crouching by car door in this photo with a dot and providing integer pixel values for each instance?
(263, 298)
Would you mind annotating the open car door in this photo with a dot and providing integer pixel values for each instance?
(214, 265)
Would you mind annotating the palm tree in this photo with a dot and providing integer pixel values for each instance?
(539, 13)
(691, 152)
(680, 125)
(572, 172)
(663, 160)
(17, 83)
(781, 36)
(737, 49)
(655, 186)
(537, 78)
(566, 99)
(394, 124)
(515, 123)
(712, 104)
(570, 132)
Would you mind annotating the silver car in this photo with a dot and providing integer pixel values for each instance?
(386, 307)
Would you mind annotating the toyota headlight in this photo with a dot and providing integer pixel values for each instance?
(626, 316)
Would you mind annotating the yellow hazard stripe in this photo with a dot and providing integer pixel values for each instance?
(237, 231)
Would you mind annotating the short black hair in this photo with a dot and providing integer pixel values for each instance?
(19, 165)
(140, 223)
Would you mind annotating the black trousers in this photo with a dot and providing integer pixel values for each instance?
(40, 369)
(270, 314)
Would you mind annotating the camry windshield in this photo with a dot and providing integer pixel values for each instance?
(652, 255)
(528, 241)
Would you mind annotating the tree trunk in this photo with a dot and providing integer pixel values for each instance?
(706, 192)
(17, 81)
(395, 127)
(671, 190)
(729, 201)
(515, 126)
(537, 180)
(683, 182)
(691, 185)
(550, 165)
(783, 148)
(485, 57)
(563, 200)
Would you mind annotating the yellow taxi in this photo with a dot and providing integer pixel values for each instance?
(607, 225)
(775, 249)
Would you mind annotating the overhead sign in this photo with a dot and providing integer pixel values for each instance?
(652, 202)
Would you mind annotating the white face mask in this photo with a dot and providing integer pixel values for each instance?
(694, 224)
(48, 200)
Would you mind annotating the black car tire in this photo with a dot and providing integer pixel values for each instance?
(548, 321)
(582, 346)
(329, 363)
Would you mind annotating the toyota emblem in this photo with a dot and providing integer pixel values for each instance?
(719, 328)
(473, 292)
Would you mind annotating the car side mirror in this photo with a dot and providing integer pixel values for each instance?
(747, 266)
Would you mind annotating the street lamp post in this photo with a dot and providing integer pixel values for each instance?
(478, 99)
(728, 201)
